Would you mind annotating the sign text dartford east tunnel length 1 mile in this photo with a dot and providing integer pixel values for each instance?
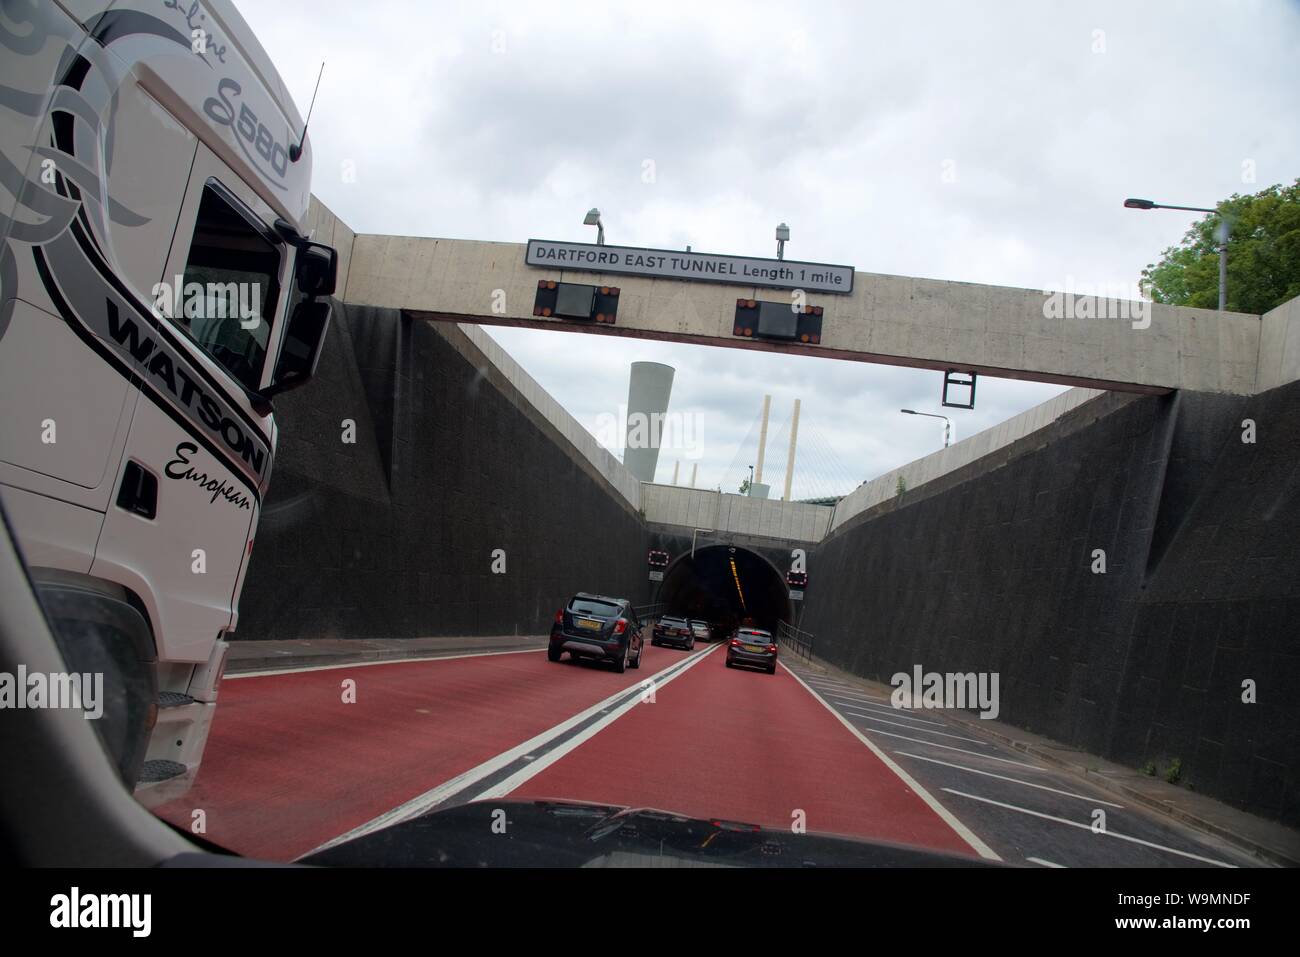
(674, 264)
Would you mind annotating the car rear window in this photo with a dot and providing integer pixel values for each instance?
(588, 606)
(757, 635)
(674, 622)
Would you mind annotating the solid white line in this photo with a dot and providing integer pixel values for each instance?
(501, 789)
(1088, 827)
(1003, 777)
(1043, 863)
(962, 830)
(949, 747)
(423, 802)
(367, 664)
(943, 734)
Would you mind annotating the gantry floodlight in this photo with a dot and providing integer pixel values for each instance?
(593, 219)
(782, 235)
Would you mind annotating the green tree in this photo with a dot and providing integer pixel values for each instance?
(744, 487)
(1263, 255)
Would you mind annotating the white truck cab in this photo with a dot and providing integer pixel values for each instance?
(156, 290)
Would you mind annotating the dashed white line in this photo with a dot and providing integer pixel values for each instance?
(1088, 827)
(1003, 777)
(1042, 863)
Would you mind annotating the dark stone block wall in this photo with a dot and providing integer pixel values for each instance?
(990, 570)
(392, 536)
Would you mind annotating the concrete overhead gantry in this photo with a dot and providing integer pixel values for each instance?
(1029, 334)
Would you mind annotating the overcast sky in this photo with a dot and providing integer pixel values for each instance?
(988, 143)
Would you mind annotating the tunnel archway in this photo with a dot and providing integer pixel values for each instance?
(725, 585)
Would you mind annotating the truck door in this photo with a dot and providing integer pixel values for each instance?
(198, 454)
(102, 179)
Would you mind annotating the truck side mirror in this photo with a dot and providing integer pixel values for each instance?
(301, 349)
(317, 269)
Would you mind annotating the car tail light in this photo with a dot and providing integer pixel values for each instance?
(735, 642)
(771, 649)
(559, 617)
(620, 626)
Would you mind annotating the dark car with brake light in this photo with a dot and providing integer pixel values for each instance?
(752, 646)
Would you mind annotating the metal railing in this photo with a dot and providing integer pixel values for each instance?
(647, 612)
(798, 641)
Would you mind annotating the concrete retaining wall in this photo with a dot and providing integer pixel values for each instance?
(392, 535)
(990, 569)
(936, 464)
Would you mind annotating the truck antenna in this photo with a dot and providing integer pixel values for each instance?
(295, 151)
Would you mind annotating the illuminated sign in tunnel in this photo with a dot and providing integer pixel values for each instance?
(723, 585)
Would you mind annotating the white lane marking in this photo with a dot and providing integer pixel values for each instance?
(949, 747)
(966, 834)
(502, 788)
(847, 709)
(847, 691)
(1003, 777)
(1088, 827)
(830, 681)
(897, 712)
(850, 696)
(942, 734)
(423, 802)
(1042, 863)
(389, 661)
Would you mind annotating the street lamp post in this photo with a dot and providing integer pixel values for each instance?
(1220, 233)
(947, 424)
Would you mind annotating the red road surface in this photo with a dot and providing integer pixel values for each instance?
(289, 766)
(745, 746)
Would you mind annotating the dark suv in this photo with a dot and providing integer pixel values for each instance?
(599, 627)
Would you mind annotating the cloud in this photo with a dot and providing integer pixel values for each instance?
(980, 143)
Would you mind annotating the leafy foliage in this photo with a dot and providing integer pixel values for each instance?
(1263, 255)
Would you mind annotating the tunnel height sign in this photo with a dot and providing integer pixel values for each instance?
(706, 267)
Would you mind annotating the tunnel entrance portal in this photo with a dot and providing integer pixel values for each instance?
(727, 586)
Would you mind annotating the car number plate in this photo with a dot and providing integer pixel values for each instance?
(589, 624)
(755, 648)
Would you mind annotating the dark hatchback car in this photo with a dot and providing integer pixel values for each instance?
(671, 630)
(752, 646)
(597, 627)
